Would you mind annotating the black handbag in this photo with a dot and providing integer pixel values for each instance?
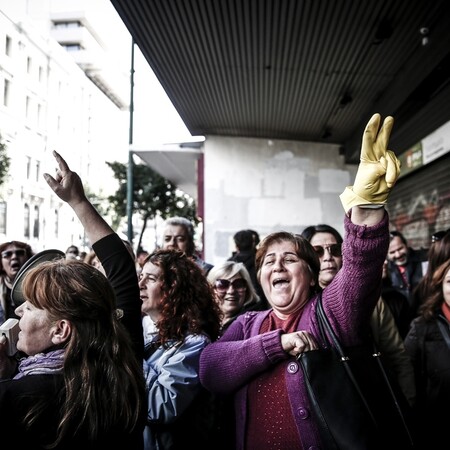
(355, 403)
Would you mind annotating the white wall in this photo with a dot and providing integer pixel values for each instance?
(269, 185)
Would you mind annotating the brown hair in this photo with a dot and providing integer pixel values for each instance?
(435, 297)
(438, 253)
(303, 249)
(19, 244)
(97, 349)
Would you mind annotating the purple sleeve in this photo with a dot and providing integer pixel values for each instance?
(350, 299)
(229, 363)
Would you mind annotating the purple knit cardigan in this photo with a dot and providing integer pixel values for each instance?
(227, 365)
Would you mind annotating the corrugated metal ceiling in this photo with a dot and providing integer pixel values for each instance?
(311, 70)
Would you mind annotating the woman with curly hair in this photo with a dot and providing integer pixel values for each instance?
(181, 317)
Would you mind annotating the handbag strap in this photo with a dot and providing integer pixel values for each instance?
(324, 325)
(327, 331)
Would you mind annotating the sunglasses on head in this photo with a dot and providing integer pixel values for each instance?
(9, 253)
(438, 236)
(223, 285)
(334, 249)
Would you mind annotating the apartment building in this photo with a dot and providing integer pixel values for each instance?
(59, 89)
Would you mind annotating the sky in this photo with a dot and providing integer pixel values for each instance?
(155, 119)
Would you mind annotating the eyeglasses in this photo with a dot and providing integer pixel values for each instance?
(223, 285)
(438, 236)
(9, 253)
(334, 249)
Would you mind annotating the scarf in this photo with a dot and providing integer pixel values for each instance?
(42, 363)
(446, 311)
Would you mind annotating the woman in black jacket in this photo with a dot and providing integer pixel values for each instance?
(80, 383)
(428, 344)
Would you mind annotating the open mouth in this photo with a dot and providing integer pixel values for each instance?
(280, 283)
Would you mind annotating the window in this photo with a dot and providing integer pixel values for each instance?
(8, 45)
(56, 223)
(72, 47)
(26, 220)
(3, 217)
(39, 115)
(6, 92)
(28, 167)
(38, 170)
(27, 107)
(67, 24)
(36, 222)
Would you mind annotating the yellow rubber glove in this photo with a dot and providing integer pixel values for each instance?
(378, 169)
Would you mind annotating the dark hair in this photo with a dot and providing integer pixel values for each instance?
(310, 231)
(256, 239)
(435, 297)
(395, 233)
(188, 304)
(303, 249)
(244, 240)
(19, 244)
(187, 225)
(73, 247)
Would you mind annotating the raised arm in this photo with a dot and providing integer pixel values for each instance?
(109, 248)
(377, 173)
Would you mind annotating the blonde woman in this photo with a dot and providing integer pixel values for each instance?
(233, 290)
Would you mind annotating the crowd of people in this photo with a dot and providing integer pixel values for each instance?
(162, 350)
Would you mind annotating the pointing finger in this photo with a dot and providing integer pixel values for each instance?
(61, 161)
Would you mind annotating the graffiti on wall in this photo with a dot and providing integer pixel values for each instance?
(420, 215)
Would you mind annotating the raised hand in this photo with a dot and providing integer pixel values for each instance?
(378, 169)
(66, 185)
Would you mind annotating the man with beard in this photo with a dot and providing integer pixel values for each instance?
(404, 268)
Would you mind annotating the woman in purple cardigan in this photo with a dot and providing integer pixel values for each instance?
(255, 360)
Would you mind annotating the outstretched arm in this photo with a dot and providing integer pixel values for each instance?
(115, 258)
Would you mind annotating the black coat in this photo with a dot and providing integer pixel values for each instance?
(414, 275)
(16, 396)
(430, 356)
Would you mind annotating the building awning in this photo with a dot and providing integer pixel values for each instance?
(176, 162)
